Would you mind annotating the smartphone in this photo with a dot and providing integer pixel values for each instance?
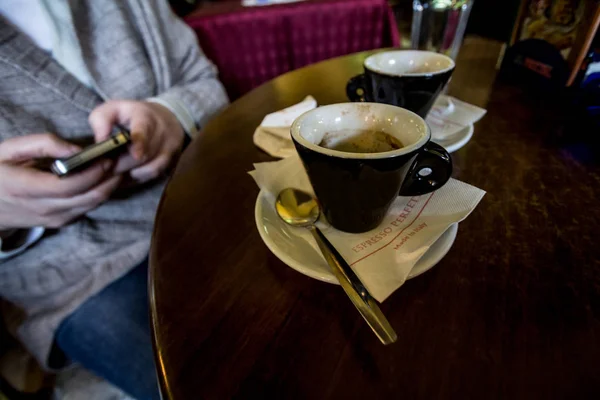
(111, 146)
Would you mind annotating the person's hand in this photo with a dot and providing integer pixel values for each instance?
(156, 135)
(30, 197)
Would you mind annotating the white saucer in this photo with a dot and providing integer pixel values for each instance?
(291, 245)
(456, 141)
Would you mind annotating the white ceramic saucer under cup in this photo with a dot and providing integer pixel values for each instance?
(291, 244)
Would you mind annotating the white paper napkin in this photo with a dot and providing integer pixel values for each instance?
(273, 134)
(383, 257)
(448, 116)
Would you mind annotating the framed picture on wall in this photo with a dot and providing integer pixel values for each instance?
(569, 26)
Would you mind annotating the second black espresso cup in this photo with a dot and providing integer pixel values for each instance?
(409, 79)
(360, 156)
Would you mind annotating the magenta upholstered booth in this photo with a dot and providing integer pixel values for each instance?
(251, 45)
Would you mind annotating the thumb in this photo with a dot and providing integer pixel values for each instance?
(39, 145)
(104, 117)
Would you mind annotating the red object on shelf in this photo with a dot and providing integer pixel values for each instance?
(251, 45)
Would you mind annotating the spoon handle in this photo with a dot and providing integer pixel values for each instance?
(355, 289)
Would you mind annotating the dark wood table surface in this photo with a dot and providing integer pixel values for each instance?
(512, 311)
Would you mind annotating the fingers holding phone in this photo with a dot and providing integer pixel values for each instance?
(104, 117)
(86, 157)
(156, 136)
(31, 197)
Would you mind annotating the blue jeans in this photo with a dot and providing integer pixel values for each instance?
(109, 335)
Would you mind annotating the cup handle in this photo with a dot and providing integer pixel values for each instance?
(430, 171)
(354, 85)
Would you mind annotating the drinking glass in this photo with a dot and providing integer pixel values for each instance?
(439, 25)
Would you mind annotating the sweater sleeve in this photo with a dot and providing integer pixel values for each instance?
(194, 91)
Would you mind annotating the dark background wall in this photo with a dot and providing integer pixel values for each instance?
(493, 18)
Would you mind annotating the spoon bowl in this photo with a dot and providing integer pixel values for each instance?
(297, 208)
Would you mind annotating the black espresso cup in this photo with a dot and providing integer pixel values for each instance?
(409, 79)
(356, 189)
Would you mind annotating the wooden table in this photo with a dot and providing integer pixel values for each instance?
(513, 310)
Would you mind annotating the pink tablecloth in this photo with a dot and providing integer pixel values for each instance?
(251, 45)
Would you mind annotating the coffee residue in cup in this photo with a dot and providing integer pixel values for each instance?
(360, 141)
